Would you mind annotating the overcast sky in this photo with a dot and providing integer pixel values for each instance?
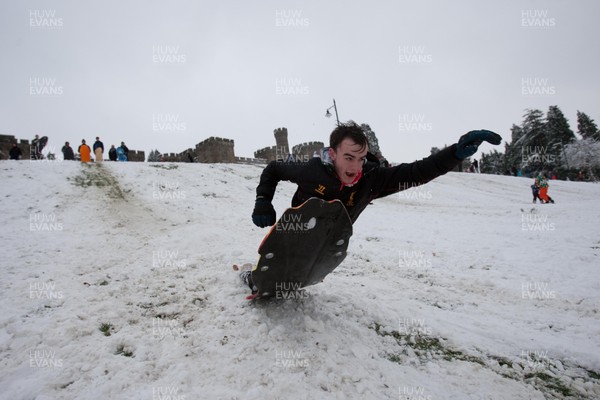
(169, 74)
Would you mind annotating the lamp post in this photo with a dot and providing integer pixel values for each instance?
(328, 114)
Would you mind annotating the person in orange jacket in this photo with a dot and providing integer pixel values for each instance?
(85, 152)
(542, 182)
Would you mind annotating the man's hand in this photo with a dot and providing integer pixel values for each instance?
(468, 143)
(263, 214)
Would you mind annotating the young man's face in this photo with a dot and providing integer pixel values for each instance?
(348, 160)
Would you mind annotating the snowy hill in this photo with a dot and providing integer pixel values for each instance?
(117, 284)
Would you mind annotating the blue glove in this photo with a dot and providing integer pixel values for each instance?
(263, 214)
(468, 143)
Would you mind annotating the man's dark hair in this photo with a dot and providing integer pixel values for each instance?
(348, 130)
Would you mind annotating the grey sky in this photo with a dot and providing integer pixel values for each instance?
(168, 74)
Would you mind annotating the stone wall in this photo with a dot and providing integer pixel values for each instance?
(181, 157)
(137, 155)
(248, 160)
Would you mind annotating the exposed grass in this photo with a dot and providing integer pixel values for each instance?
(592, 374)
(428, 348)
(503, 361)
(106, 328)
(424, 344)
(167, 167)
(98, 176)
(123, 352)
(550, 383)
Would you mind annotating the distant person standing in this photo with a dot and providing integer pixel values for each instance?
(98, 149)
(84, 152)
(121, 156)
(67, 151)
(15, 152)
(112, 153)
(535, 190)
(126, 151)
(476, 166)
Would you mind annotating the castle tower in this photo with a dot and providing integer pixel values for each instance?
(215, 150)
(281, 140)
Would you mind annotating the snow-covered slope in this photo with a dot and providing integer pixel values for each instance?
(117, 283)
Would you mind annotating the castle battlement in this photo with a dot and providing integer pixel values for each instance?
(270, 148)
(280, 131)
(215, 139)
(136, 155)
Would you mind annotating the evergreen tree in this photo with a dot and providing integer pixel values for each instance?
(514, 151)
(154, 156)
(586, 127)
(516, 133)
(549, 144)
(372, 139)
(533, 143)
(558, 134)
(584, 155)
(492, 163)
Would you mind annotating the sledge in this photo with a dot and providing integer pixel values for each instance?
(37, 147)
(302, 248)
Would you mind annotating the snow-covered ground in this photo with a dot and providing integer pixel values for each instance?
(117, 283)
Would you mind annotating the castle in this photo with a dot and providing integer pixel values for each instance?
(220, 150)
(6, 142)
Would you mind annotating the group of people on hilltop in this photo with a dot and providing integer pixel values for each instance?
(120, 153)
(540, 190)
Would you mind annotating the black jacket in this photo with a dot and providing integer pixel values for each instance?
(317, 178)
(15, 153)
(112, 154)
(68, 153)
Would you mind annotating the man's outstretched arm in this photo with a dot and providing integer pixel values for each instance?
(404, 176)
